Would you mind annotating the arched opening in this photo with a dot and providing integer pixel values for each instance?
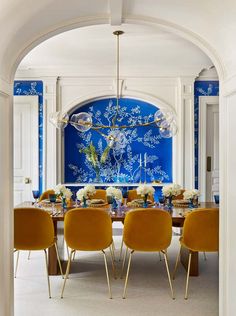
(217, 64)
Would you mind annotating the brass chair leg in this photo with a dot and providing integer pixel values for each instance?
(187, 280)
(29, 255)
(113, 263)
(107, 274)
(160, 256)
(121, 249)
(123, 263)
(176, 263)
(58, 259)
(67, 250)
(67, 272)
(205, 257)
(112, 253)
(74, 256)
(168, 273)
(17, 260)
(46, 260)
(113, 249)
(127, 274)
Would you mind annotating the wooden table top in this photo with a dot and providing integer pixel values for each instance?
(178, 214)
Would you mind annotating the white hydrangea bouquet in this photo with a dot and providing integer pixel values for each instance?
(114, 192)
(192, 197)
(191, 194)
(169, 191)
(63, 192)
(114, 198)
(145, 190)
(85, 193)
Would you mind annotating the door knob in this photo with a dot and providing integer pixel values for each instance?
(27, 180)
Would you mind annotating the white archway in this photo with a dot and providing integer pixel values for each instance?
(6, 265)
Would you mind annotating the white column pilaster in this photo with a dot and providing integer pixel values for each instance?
(6, 198)
(186, 130)
(227, 259)
(51, 157)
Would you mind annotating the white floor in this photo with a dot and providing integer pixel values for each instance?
(86, 290)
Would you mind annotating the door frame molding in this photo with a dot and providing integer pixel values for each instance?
(204, 101)
(34, 157)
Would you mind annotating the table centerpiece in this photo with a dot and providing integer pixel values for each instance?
(145, 190)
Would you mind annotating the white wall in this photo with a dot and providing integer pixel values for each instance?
(64, 93)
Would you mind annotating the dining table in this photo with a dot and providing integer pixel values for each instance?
(177, 213)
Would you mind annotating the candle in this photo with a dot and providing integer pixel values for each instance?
(145, 160)
(140, 160)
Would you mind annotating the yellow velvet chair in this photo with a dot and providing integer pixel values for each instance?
(148, 230)
(34, 230)
(45, 195)
(200, 233)
(88, 229)
(132, 195)
(100, 194)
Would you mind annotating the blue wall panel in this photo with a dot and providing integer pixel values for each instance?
(122, 165)
(201, 88)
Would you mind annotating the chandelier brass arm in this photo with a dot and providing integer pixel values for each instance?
(164, 119)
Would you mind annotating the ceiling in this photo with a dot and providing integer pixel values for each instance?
(145, 51)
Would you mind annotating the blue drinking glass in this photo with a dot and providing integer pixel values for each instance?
(217, 199)
(36, 195)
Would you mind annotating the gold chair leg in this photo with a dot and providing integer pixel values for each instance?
(67, 250)
(107, 274)
(127, 274)
(112, 253)
(29, 255)
(121, 249)
(187, 280)
(113, 249)
(176, 263)
(46, 260)
(113, 263)
(67, 272)
(168, 273)
(205, 257)
(17, 260)
(58, 259)
(160, 256)
(74, 255)
(123, 263)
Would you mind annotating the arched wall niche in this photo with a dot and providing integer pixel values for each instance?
(122, 166)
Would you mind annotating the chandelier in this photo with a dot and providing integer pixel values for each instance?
(164, 119)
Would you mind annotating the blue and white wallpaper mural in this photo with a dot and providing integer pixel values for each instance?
(201, 88)
(122, 164)
(34, 88)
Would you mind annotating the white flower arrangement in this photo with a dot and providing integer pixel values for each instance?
(145, 189)
(191, 194)
(61, 190)
(114, 192)
(86, 192)
(171, 190)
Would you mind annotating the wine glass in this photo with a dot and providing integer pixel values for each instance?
(36, 195)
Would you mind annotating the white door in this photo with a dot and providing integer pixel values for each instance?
(209, 147)
(25, 147)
